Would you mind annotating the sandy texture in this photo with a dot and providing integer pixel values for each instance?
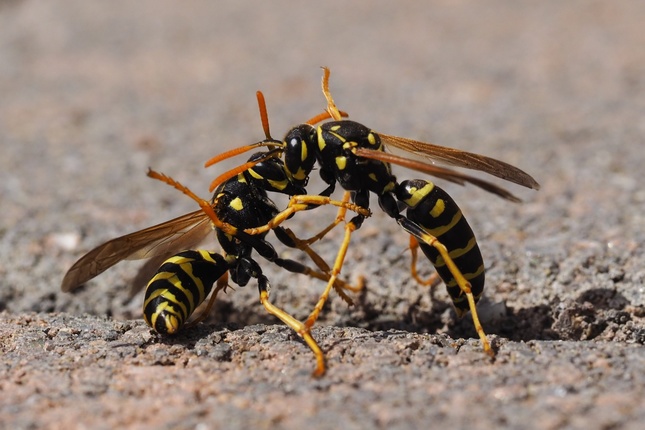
(93, 94)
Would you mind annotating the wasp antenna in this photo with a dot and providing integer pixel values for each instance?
(325, 115)
(331, 106)
(232, 153)
(240, 169)
(175, 184)
(264, 116)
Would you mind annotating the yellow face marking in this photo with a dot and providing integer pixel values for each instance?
(419, 194)
(373, 177)
(341, 163)
(438, 208)
(237, 204)
(303, 152)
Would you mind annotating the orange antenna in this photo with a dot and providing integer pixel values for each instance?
(240, 169)
(323, 116)
(204, 204)
(331, 106)
(233, 152)
(269, 141)
(264, 116)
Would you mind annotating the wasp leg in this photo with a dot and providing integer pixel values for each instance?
(340, 286)
(303, 202)
(424, 237)
(432, 279)
(350, 227)
(340, 217)
(301, 329)
(362, 199)
(266, 250)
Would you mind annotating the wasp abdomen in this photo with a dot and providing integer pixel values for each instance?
(180, 285)
(433, 209)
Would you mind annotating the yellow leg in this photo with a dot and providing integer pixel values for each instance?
(432, 279)
(301, 203)
(464, 285)
(340, 217)
(339, 285)
(300, 328)
(338, 264)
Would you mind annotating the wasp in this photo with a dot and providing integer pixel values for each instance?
(354, 156)
(186, 277)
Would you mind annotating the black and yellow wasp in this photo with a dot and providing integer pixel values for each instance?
(353, 156)
(186, 277)
(348, 154)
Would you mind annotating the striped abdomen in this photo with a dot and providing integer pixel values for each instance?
(434, 210)
(180, 285)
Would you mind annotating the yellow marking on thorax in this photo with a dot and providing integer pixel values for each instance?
(255, 174)
(371, 139)
(237, 204)
(341, 162)
(278, 185)
(321, 141)
(389, 187)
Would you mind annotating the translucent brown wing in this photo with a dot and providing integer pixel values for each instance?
(458, 158)
(164, 239)
(437, 171)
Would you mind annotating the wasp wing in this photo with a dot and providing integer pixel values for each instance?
(163, 239)
(437, 171)
(459, 158)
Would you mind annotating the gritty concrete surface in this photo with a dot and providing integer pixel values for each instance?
(95, 92)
